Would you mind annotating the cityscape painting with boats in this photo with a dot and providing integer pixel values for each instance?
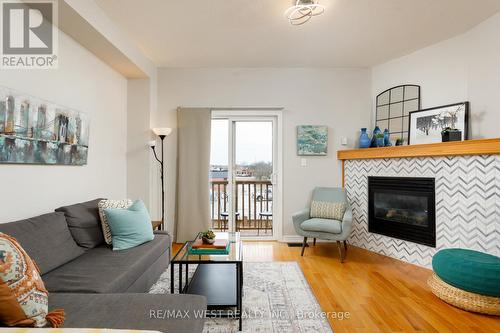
(34, 131)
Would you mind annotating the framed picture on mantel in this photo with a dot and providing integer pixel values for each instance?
(439, 124)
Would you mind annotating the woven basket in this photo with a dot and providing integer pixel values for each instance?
(463, 299)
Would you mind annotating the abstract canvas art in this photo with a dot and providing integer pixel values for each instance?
(34, 131)
(312, 140)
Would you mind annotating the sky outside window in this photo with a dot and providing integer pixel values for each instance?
(254, 142)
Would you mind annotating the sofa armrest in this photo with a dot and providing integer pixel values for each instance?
(300, 217)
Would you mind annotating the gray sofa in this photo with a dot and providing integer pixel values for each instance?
(96, 286)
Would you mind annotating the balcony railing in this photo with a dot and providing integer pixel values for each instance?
(253, 203)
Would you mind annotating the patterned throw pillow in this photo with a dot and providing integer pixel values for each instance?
(23, 297)
(130, 227)
(328, 210)
(106, 204)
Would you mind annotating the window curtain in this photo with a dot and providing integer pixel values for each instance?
(193, 165)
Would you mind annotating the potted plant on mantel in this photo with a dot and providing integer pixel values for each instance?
(447, 120)
(379, 139)
(450, 134)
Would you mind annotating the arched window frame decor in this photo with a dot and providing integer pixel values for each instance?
(393, 107)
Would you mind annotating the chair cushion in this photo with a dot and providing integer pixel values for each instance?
(46, 239)
(84, 223)
(129, 227)
(102, 270)
(469, 270)
(106, 204)
(328, 210)
(322, 225)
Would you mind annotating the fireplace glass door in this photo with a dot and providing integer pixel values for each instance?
(403, 208)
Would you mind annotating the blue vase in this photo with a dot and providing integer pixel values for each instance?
(374, 136)
(364, 139)
(387, 139)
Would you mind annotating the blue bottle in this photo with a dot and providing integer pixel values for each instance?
(387, 139)
(374, 136)
(364, 139)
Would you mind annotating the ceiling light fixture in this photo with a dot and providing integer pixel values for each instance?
(303, 10)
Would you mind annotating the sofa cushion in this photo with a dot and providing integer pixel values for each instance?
(102, 270)
(23, 298)
(129, 227)
(46, 239)
(107, 204)
(132, 311)
(84, 223)
(322, 225)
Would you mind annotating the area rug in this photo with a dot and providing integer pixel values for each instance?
(276, 299)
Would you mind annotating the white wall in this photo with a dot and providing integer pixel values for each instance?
(84, 83)
(466, 67)
(96, 30)
(339, 98)
(138, 134)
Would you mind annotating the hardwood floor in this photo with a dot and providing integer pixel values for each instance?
(380, 293)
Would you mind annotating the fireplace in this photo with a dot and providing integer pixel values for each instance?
(403, 207)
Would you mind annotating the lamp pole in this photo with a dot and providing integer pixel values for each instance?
(162, 133)
(162, 137)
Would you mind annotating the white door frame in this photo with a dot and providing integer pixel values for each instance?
(255, 115)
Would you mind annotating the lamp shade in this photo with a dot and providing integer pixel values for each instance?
(152, 143)
(165, 131)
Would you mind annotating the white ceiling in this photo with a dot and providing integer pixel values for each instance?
(255, 33)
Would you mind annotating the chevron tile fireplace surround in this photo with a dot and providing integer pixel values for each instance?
(467, 202)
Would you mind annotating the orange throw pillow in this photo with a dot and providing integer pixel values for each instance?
(23, 297)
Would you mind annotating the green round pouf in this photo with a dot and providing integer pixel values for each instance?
(469, 270)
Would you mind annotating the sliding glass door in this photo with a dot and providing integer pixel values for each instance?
(243, 175)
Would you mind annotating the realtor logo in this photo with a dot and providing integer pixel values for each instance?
(29, 34)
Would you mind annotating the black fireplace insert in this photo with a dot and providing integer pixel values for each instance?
(403, 207)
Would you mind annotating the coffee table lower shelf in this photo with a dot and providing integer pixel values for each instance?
(220, 282)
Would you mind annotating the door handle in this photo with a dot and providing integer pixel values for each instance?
(274, 178)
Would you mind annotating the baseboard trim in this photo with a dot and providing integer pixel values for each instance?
(300, 239)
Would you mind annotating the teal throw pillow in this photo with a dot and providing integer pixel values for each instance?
(129, 227)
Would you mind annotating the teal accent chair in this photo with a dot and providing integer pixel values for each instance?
(326, 229)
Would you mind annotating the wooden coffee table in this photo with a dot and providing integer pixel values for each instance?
(217, 277)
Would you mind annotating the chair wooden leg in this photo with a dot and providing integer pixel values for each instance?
(340, 251)
(314, 241)
(303, 246)
(345, 246)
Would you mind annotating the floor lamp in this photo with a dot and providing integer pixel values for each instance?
(162, 133)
